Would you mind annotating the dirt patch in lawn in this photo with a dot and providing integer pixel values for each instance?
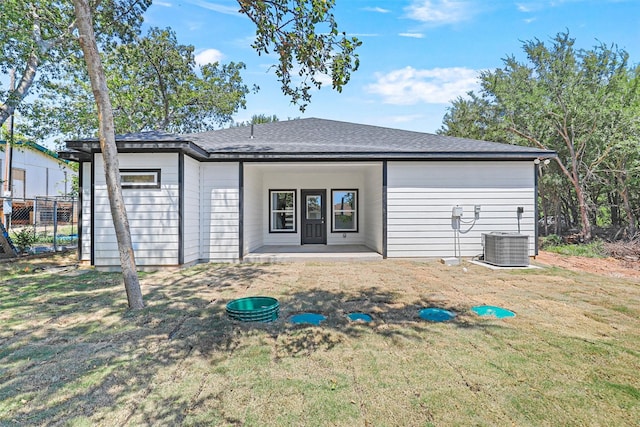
(610, 267)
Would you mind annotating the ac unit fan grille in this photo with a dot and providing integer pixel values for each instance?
(506, 249)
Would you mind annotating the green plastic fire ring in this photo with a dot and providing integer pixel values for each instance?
(254, 309)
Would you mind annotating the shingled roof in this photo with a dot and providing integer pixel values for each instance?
(316, 139)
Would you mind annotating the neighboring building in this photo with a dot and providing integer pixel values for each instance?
(221, 195)
(37, 172)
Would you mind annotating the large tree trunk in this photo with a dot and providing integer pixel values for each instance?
(109, 152)
(624, 192)
(16, 95)
(584, 213)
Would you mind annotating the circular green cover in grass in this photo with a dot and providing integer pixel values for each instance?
(359, 317)
(308, 318)
(435, 314)
(492, 310)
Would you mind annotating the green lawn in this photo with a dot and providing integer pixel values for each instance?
(71, 354)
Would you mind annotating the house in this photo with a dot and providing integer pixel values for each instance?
(222, 195)
(36, 171)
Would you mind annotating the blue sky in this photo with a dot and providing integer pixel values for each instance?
(416, 55)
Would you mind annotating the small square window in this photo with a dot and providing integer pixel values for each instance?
(282, 211)
(344, 210)
(140, 178)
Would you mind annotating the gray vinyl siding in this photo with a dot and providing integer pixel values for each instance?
(191, 214)
(153, 213)
(86, 212)
(421, 196)
(220, 211)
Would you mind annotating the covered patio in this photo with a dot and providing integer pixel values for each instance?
(292, 253)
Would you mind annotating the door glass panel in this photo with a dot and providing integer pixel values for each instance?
(314, 207)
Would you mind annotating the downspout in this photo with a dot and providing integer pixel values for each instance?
(536, 169)
(241, 210)
(181, 184)
(384, 209)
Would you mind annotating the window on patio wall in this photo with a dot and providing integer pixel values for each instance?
(344, 210)
(282, 211)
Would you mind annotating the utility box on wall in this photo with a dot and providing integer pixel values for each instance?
(506, 249)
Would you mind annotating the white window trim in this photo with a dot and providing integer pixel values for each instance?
(354, 210)
(273, 211)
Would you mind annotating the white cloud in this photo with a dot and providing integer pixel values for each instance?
(409, 86)
(412, 35)
(208, 56)
(162, 3)
(439, 12)
(406, 119)
(526, 7)
(376, 9)
(227, 10)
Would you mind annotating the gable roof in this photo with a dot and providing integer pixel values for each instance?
(314, 139)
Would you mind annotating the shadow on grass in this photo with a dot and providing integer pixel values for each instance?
(70, 348)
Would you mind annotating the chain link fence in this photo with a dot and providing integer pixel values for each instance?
(43, 224)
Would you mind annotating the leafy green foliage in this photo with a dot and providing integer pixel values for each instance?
(306, 38)
(583, 104)
(38, 40)
(23, 239)
(550, 241)
(594, 249)
(257, 119)
(154, 84)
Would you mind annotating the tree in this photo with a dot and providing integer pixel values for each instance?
(155, 84)
(291, 32)
(109, 152)
(305, 36)
(38, 40)
(473, 117)
(561, 99)
(257, 119)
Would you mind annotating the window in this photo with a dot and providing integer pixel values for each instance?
(19, 183)
(283, 211)
(140, 178)
(344, 210)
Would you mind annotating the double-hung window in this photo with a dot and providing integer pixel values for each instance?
(344, 210)
(283, 211)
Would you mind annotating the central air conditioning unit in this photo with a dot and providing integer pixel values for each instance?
(506, 249)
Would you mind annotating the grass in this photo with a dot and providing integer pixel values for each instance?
(71, 354)
(594, 249)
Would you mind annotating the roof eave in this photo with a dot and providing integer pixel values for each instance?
(187, 147)
(384, 156)
(74, 156)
